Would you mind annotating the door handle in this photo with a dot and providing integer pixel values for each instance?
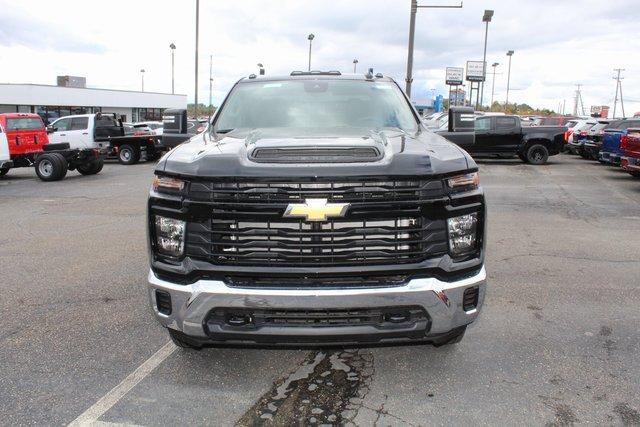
(63, 134)
(85, 133)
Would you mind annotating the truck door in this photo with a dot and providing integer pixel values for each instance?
(483, 135)
(507, 134)
(61, 128)
(79, 132)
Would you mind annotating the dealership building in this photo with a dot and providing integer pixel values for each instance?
(71, 96)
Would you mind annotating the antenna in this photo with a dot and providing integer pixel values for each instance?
(618, 80)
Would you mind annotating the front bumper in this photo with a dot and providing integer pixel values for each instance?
(630, 164)
(609, 157)
(193, 304)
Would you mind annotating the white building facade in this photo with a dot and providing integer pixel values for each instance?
(52, 102)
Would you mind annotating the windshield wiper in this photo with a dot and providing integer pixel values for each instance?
(223, 130)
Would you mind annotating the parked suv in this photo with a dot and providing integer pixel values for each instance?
(316, 208)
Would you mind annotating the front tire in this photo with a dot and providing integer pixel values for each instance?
(91, 168)
(181, 341)
(128, 155)
(537, 154)
(3, 172)
(51, 167)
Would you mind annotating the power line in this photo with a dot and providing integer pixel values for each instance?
(618, 80)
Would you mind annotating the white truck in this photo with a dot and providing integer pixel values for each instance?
(5, 157)
(104, 132)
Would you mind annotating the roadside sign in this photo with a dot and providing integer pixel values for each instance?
(475, 71)
(454, 76)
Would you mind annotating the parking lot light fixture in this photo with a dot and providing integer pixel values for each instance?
(310, 37)
(260, 69)
(486, 18)
(509, 54)
(355, 65)
(142, 75)
(173, 48)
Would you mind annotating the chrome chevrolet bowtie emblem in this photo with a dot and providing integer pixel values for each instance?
(316, 210)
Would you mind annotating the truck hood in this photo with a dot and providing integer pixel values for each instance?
(234, 154)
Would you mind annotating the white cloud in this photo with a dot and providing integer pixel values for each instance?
(557, 43)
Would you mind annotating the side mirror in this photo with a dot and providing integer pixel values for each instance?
(50, 129)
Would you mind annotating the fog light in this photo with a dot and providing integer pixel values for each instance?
(462, 234)
(170, 236)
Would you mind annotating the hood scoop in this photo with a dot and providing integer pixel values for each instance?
(315, 154)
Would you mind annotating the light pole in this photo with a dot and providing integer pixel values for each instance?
(195, 109)
(310, 37)
(173, 49)
(486, 18)
(509, 54)
(493, 85)
(260, 69)
(412, 33)
(210, 82)
(355, 64)
(142, 75)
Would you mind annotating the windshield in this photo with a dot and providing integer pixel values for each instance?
(319, 104)
(25, 123)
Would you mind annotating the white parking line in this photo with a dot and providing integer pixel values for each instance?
(91, 415)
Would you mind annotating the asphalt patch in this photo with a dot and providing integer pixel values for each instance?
(327, 388)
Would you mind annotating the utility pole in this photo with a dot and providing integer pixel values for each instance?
(412, 33)
(578, 101)
(355, 64)
(210, 80)
(618, 80)
(195, 110)
(142, 74)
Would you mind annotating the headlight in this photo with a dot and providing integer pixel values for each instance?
(170, 236)
(167, 184)
(463, 234)
(468, 181)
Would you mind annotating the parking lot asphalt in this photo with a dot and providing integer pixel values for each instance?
(557, 343)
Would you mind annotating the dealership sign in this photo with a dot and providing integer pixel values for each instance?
(454, 76)
(475, 71)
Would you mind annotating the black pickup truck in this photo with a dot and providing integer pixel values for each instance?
(316, 208)
(504, 136)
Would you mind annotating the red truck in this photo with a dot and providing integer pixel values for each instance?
(630, 146)
(28, 145)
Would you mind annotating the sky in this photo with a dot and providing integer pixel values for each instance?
(557, 44)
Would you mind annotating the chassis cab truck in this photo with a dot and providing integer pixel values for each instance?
(29, 146)
(104, 132)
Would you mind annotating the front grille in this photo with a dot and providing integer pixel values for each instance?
(386, 223)
(325, 282)
(384, 317)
